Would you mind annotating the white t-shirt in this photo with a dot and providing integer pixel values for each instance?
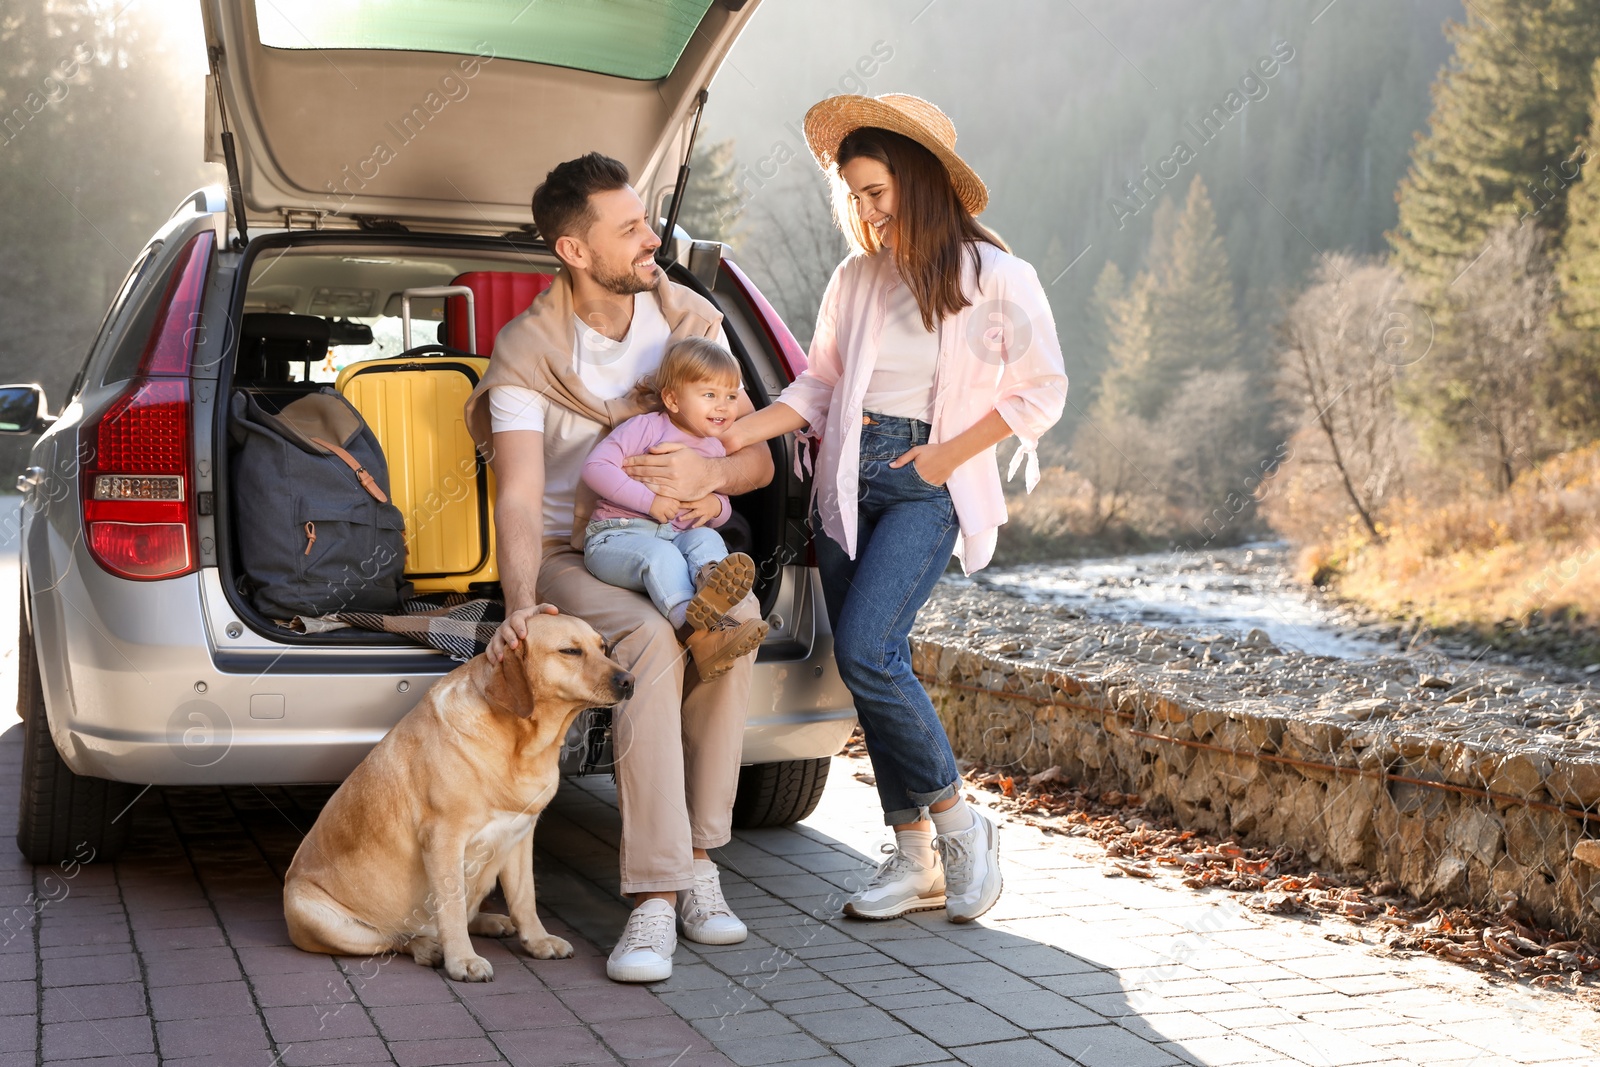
(902, 374)
(609, 369)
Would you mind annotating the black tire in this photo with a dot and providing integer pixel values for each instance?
(61, 816)
(777, 794)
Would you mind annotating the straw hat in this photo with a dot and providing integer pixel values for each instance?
(829, 121)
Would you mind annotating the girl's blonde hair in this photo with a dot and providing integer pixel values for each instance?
(695, 359)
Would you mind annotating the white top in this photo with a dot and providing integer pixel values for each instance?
(998, 354)
(608, 369)
(902, 372)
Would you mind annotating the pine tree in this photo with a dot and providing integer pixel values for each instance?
(1194, 324)
(1163, 230)
(1509, 112)
(1177, 317)
(1173, 429)
(1130, 385)
(1579, 268)
(1571, 391)
(1109, 287)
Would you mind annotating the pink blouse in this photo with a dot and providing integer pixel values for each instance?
(999, 353)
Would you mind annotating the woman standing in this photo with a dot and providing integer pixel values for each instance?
(933, 344)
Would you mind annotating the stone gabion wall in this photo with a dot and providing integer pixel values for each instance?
(1448, 820)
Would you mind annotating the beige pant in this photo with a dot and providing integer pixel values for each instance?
(676, 743)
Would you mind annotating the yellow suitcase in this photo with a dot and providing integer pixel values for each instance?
(414, 405)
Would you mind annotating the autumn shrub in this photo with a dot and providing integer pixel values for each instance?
(1062, 518)
(1488, 561)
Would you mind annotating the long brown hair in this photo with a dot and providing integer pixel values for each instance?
(932, 226)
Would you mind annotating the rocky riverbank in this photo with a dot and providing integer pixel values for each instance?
(1550, 707)
(1460, 782)
(1253, 586)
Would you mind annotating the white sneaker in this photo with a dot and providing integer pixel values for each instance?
(971, 860)
(703, 913)
(644, 954)
(901, 885)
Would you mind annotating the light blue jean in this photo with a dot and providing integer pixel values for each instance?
(905, 531)
(653, 558)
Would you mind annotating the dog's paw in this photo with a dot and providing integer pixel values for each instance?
(426, 951)
(492, 924)
(547, 947)
(469, 969)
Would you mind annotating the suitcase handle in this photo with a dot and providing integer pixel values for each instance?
(434, 352)
(432, 291)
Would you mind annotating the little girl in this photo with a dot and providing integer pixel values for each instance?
(668, 548)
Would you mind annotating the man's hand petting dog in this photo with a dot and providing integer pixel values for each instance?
(513, 630)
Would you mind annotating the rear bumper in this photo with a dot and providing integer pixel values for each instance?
(158, 683)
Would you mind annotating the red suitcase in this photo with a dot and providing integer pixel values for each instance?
(498, 297)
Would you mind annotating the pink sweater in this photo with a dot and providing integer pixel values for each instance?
(999, 354)
(620, 496)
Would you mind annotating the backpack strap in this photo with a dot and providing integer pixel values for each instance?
(368, 483)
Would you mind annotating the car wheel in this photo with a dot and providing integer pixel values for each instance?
(777, 794)
(62, 817)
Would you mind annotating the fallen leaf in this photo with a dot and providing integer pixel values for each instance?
(1044, 777)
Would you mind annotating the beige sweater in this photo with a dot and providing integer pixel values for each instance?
(534, 350)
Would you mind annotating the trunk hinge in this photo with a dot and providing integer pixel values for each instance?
(683, 180)
(230, 157)
(303, 214)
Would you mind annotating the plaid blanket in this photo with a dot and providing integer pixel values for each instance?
(456, 624)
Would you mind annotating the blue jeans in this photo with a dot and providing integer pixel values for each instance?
(905, 532)
(652, 557)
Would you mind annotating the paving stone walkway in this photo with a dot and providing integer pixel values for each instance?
(178, 955)
(1070, 967)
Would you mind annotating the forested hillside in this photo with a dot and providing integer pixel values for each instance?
(100, 136)
(1446, 402)
(1091, 124)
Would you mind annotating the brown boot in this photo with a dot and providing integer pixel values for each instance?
(719, 586)
(718, 648)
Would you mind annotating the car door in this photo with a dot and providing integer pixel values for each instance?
(444, 114)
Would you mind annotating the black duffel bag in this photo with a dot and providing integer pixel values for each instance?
(310, 491)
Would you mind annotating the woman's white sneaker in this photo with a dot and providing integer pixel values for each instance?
(703, 913)
(901, 885)
(971, 861)
(644, 953)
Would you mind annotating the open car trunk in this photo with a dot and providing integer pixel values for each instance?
(444, 114)
(353, 281)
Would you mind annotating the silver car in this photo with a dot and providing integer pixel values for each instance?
(368, 159)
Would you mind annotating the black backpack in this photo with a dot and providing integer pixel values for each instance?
(316, 531)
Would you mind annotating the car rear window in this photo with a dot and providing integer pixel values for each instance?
(639, 39)
(125, 360)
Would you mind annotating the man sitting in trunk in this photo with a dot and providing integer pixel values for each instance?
(563, 374)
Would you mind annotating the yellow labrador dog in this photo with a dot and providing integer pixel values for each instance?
(406, 850)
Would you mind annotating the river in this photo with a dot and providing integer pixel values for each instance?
(1229, 590)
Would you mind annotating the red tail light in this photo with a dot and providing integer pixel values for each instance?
(794, 357)
(137, 480)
